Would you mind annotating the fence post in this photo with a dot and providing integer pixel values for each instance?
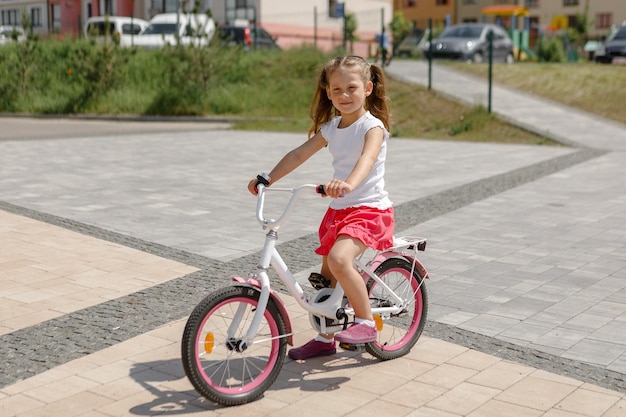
(490, 39)
(430, 52)
(315, 26)
(383, 50)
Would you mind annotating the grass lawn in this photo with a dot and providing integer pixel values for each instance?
(420, 113)
(595, 88)
(273, 90)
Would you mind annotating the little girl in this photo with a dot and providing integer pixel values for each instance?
(350, 115)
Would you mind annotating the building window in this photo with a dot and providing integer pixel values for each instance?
(35, 17)
(531, 4)
(9, 17)
(570, 3)
(410, 3)
(442, 2)
(572, 20)
(332, 8)
(245, 9)
(164, 6)
(56, 17)
(604, 20)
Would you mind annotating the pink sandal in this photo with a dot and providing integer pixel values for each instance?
(357, 334)
(312, 349)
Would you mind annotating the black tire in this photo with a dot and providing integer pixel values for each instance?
(224, 369)
(399, 332)
(478, 58)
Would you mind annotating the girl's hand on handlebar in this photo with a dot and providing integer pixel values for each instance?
(337, 188)
(252, 186)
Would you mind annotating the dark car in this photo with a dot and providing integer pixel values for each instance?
(468, 42)
(614, 48)
(247, 37)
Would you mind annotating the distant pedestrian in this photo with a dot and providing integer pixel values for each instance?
(384, 49)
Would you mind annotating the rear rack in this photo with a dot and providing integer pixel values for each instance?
(408, 242)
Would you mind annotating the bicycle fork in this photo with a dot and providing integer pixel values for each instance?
(261, 281)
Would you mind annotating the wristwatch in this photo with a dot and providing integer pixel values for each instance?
(264, 179)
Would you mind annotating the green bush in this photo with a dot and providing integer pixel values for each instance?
(550, 49)
(79, 76)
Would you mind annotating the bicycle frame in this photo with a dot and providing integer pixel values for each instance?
(271, 258)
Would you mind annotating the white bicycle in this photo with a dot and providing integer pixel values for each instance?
(236, 338)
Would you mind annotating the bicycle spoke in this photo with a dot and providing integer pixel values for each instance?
(228, 368)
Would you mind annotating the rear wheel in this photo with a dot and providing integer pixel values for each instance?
(232, 370)
(399, 332)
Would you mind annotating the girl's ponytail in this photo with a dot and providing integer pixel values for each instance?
(322, 109)
(377, 101)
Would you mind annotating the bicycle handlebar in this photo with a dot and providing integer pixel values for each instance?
(295, 194)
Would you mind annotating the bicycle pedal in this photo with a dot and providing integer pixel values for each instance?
(352, 348)
(318, 281)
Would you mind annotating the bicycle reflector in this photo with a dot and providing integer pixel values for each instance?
(379, 323)
(209, 342)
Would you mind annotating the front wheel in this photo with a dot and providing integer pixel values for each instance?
(398, 332)
(220, 362)
(477, 58)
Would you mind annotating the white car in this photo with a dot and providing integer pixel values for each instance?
(10, 33)
(122, 28)
(164, 29)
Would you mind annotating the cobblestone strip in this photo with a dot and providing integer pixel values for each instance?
(27, 352)
(541, 360)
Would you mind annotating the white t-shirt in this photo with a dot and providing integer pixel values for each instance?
(346, 147)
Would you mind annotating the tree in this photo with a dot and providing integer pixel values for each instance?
(583, 22)
(351, 26)
(400, 28)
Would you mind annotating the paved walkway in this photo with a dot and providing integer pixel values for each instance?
(111, 232)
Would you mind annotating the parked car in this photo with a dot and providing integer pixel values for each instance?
(121, 29)
(11, 33)
(613, 49)
(171, 28)
(412, 44)
(468, 42)
(246, 37)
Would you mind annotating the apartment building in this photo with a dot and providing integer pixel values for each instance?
(545, 14)
(442, 12)
(64, 17)
(603, 14)
(293, 22)
(36, 11)
(314, 21)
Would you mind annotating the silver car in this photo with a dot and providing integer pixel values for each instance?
(468, 42)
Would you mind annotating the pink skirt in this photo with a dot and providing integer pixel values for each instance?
(371, 226)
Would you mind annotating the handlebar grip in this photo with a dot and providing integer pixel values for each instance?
(320, 190)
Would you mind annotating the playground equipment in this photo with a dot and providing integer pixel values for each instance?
(508, 16)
